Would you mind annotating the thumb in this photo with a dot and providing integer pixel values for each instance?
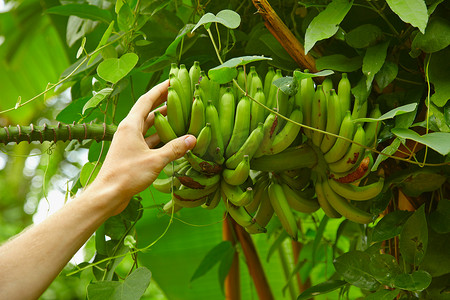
(176, 148)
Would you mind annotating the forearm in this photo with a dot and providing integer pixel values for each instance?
(32, 260)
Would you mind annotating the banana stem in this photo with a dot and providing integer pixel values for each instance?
(59, 132)
(254, 264)
(232, 281)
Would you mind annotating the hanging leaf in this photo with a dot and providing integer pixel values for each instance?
(383, 295)
(353, 267)
(227, 71)
(97, 98)
(226, 17)
(438, 141)
(439, 219)
(374, 60)
(212, 258)
(416, 281)
(339, 62)
(386, 74)
(114, 69)
(364, 36)
(384, 268)
(299, 75)
(390, 225)
(414, 237)
(392, 113)
(103, 41)
(321, 289)
(84, 11)
(440, 76)
(88, 173)
(326, 23)
(287, 85)
(411, 11)
(436, 37)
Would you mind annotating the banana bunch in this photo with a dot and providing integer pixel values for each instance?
(256, 162)
(341, 161)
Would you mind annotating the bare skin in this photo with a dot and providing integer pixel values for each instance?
(31, 261)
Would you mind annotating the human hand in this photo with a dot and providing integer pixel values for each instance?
(132, 164)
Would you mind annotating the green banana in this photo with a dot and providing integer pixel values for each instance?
(345, 208)
(216, 148)
(355, 174)
(238, 213)
(214, 93)
(307, 92)
(173, 69)
(341, 146)
(213, 200)
(269, 129)
(175, 166)
(248, 148)
(297, 182)
(283, 210)
(239, 175)
(323, 201)
(227, 107)
(298, 95)
(163, 128)
(255, 83)
(257, 111)
(194, 74)
(318, 115)
(235, 195)
(175, 115)
(197, 121)
(373, 128)
(357, 193)
(271, 100)
(344, 93)
(268, 81)
(292, 158)
(165, 185)
(327, 86)
(299, 203)
(259, 186)
(241, 127)
(198, 180)
(288, 134)
(185, 79)
(186, 195)
(353, 156)
(263, 214)
(176, 84)
(203, 141)
(205, 85)
(242, 82)
(283, 102)
(198, 92)
(333, 119)
(359, 109)
(202, 165)
(171, 207)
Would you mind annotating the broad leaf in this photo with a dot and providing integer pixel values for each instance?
(212, 258)
(321, 289)
(339, 62)
(414, 237)
(353, 267)
(440, 219)
(88, 173)
(125, 18)
(411, 11)
(97, 98)
(384, 268)
(84, 11)
(390, 225)
(438, 141)
(387, 74)
(416, 281)
(374, 60)
(226, 17)
(392, 113)
(436, 37)
(287, 85)
(103, 41)
(299, 75)
(364, 36)
(114, 69)
(227, 71)
(383, 295)
(326, 23)
(389, 150)
(440, 76)
(319, 235)
(133, 287)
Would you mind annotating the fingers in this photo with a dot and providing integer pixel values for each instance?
(147, 102)
(152, 141)
(176, 148)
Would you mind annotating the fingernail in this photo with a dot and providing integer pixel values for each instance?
(190, 141)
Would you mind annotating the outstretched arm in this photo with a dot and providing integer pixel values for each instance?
(31, 261)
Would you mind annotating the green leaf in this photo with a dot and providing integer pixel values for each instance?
(392, 113)
(88, 173)
(414, 237)
(374, 60)
(287, 85)
(103, 41)
(384, 268)
(440, 76)
(436, 37)
(390, 225)
(411, 11)
(364, 36)
(438, 141)
(383, 295)
(387, 74)
(326, 23)
(226, 17)
(227, 71)
(389, 150)
(299, 75)
(353, 267)
(97, 98)
(114, 69)
(319, 235)
(225, 265)
(125, 18)
(440, 218)
(133, 287)
(421, 181)
(339, 62)
(276, 244)
(416, 281)
(84, 11)
(212, 258)
(321, 288)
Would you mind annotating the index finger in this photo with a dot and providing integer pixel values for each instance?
(147, 102)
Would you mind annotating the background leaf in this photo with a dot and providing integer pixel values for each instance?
(339, 62)
(213, 257)
(416, 281)
(436, 37)
(414, 237)
(364, 36)
(321, 289)
(85, 11)
(439, 141)
(411, 11)
(440, 77)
